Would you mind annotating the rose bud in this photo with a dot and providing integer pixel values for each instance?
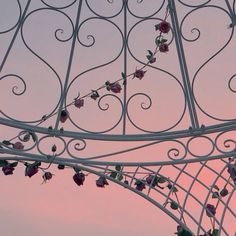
(47, 176)
(18, 146)
(31, 170)
(140, 185)
(210, 210)
(79, 103)
(164, 47)
(164, 27)
(101, 182)
(151, 180)
(139, 74)
(64, 116)
(8, 170)
(79, 178)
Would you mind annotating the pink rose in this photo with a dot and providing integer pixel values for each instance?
(164, 27)
(114, 87)
(8, 170)
(18, 146)
(47, 176)
(31, 170)
(79, 103)
(79, 178)
(164, 47)
(101, 182)
(139, 74)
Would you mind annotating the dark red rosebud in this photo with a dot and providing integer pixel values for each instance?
(140, 185)
(79, 178)
(101, 182)
(61, 167)
(114, 87)
(64, 116)
(79, 103)
(47, 176)
(139, 74)
(31, 170)
(18, 146)
(210, 210)
(164, 27)
(164, 47)
(8, 170)
(151, 180)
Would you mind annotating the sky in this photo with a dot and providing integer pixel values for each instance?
(59, 207)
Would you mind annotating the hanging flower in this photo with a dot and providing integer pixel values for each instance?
(114, 87)
(151, 180)
(47, 176)
(31, 169)
(8, 169)
(140, 185)
(164, 27)
(164, 47)
(79, 178)
(79, 103)
(101, 182)
(139, 74)
(210, 210)
(64, 116)
(18, 146)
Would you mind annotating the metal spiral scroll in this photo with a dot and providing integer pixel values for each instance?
(191, 143)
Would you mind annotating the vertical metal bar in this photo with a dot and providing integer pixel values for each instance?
(69, 64)
(125, 2)
(15, 35)
(183, 65)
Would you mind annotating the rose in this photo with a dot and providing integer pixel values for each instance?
(31, 170)
(164, 47)
(79, 103)
(114, 87)
(151, 180)
(18, 146)
(8, 170)
(140, 185)
(47, 176)
(164, 27)
(79, 178)
(64, 116)
(210, 210)
(139, 74)
(101, 182)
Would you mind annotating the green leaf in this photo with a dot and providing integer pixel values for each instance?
(215, 232)
(37, 163)
(6, 142)
(120, 177)
(3, 163)
(118, 167)
(158, 41)
(215, 195)
(174, 205)
(174, 189)
(76, 169)
(150, 53)
(123, 75)
(163, 40)
(113, 174)
(161, 179)
(14, 164)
